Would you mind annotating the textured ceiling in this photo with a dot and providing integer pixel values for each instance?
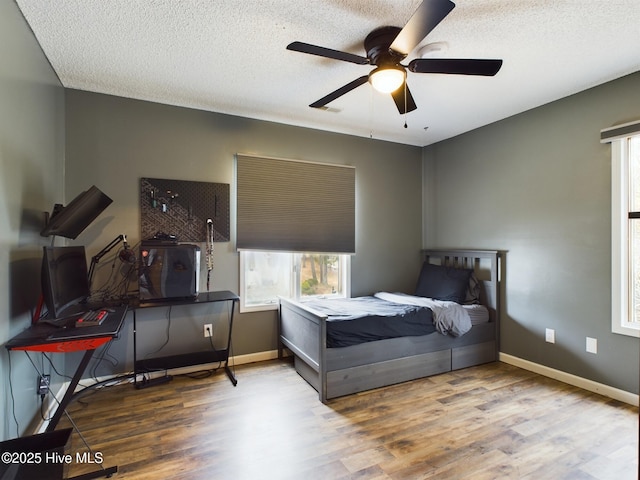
(230, 56)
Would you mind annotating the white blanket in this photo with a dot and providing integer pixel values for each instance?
(448, 317)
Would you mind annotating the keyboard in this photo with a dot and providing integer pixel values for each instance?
(92, 318)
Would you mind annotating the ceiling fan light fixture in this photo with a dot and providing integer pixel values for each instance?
(387, 79)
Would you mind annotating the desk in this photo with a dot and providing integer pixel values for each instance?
(191, 358)
(42, 337)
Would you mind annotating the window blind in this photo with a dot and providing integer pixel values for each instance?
(294, 205)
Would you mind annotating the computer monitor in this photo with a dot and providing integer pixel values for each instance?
(71, 220)
(64, 278)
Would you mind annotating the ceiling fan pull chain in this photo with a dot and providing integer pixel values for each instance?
(405, 103)
(371, 113)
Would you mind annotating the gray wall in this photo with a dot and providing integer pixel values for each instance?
(112, 142)
(538, 186)
(31, 171)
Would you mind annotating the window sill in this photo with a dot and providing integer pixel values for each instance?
(630, 331)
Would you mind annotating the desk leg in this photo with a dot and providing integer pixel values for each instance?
(230, 374)
(107, 472)
(135, 357)
(53, 423)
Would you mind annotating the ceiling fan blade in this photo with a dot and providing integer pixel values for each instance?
(327, 53)
(399, 98)
(429, 14)
(456, 66)
(339, 92)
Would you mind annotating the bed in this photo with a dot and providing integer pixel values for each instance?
(337, 365)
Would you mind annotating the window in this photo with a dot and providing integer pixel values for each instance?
(264, 276)
(625, 244)
(284, 209)
(634, 229)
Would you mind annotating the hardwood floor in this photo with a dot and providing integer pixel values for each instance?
(487, 422)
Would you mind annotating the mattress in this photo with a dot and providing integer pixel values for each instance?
(477, 313)
(351, 321)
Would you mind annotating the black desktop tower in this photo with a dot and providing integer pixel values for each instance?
(168, 271)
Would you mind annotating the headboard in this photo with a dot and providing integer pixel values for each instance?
(486, 265)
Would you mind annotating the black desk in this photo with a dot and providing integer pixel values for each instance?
(42, 337)
(186, 359)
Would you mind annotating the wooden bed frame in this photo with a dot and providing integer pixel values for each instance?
(335, 372)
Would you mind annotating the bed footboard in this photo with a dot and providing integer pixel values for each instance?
(303, 331)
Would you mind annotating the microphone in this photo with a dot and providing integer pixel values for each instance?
(126, 255)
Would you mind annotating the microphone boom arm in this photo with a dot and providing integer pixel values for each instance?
(110, 246)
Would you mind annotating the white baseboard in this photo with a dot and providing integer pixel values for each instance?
(254, 357)
(590, 385)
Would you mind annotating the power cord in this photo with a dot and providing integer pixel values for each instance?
(13, 399)
(210, 335)
(167, 337)
(210, 332)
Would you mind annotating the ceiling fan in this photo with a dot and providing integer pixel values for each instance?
(386, 47)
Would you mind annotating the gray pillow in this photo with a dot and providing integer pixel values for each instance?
(472, 296)
(443, 283)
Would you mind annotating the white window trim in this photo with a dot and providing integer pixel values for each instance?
(620, 240)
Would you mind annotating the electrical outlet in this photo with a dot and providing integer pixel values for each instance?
(208, 329)
(550, 335)
(592, 345)
(43, 384)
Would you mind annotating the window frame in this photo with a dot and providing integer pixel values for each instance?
(295, 281)
(620, 241)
